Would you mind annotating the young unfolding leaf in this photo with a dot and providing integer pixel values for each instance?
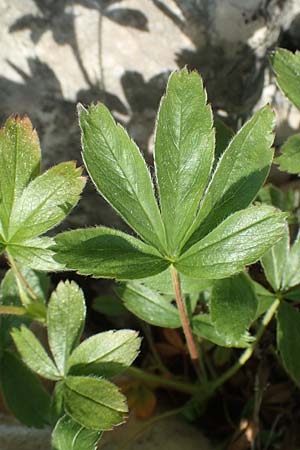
(287, 68)
(288, 340)
(149, 305)
(106, 253)
(70, 435)
(289, 160)
(184, 152)
(19, 163)
(239, 175)
(274, 261)
(291, 275)
(233, 306)
(45, 201)
(120, 174)
(66, 316)
(23, 393)
(33, 354)
(94, 403)
(105, 354)
(240, 240)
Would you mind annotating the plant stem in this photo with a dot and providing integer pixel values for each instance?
(15, 310)
(20, 277)
(185, 321)
(157, 359)
(172, 384)
(246, 355)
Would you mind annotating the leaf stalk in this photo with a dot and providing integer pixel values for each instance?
(185, 321)
(180, 386)
(20, 277)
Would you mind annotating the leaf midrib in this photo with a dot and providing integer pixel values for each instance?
(223, 239)
(44, 357)
(40, 205)
(97, 402)
(130, 184)
(104, 355)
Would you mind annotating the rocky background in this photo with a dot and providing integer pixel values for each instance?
(55, 53)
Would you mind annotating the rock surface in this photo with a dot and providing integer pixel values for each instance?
(14, 436)
(56, 53)
(172, 434)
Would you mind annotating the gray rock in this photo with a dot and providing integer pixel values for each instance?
(172, 434)
(14, 436)
(55, 53)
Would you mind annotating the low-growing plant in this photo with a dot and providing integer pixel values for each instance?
(203, 227)
(83, 403)
(199, 218)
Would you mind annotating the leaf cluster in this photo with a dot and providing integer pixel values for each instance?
(31, 204)
(84, 401)
(203, 223)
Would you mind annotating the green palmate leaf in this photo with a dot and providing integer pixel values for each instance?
(240, 240)
(106, 253)
(233, 306)
(184, 152)
(35, 253)
(163, 283)
(239, 175)
(105, 354)
(202, 326)
(287, 68)
(33, 354)
(23, 393)
(274, 261)
(94, 403)
(69, 435)
(289, 160)
(149, 305)
(291, 275)
(45, 201)
(288, 340)
(66, 316)
(19, 164)
(119, 171)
